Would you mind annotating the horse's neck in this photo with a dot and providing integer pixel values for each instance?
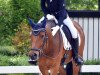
(53, 43)
(49, 34)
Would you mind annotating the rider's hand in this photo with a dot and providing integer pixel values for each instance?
(49, 17)
(54, 30)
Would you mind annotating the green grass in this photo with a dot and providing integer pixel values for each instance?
(18, 60)
(92, 62)
(8, 50)
(10, 57)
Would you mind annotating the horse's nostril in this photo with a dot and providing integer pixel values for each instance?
(34, 57)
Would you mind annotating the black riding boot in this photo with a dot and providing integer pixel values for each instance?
(74, 44)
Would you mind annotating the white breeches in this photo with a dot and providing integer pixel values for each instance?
(71, 27)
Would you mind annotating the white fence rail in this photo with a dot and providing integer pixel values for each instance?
(90, 69)
(19, 69)
(35, 69)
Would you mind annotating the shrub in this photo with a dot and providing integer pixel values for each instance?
(9, 57)
(8, 50)
(18, 60)
(13, 13)
(22, 38)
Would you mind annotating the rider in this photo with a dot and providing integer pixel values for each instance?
(57, 8)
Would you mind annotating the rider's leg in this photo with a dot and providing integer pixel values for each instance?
(74, 41)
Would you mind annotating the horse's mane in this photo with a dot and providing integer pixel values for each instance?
(51, 23)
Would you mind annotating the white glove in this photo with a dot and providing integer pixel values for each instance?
(55, 29)
(49, 17)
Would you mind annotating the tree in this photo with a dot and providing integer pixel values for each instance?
(82, 4)
(99, 5)
(14, 12)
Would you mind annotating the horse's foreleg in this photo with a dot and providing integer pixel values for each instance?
(54, 70)
(62, 71)
(43, 71)
(76, 69)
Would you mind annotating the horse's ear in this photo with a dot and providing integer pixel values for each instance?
(31, 22)
(44, 23)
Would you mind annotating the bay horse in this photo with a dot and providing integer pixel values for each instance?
(48, 50)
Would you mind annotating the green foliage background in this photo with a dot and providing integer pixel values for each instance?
(82, 4)
(13, 13)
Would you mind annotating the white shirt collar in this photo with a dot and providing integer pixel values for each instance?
(50, 0)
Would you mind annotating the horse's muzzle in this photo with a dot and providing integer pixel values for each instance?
(33, 59)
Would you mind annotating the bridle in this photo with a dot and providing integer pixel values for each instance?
(36, 33)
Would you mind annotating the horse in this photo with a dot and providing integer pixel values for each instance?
(48, 50)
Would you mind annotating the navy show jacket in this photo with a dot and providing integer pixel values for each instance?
(55, 7)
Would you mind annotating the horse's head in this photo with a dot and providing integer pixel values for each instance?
(38, 40)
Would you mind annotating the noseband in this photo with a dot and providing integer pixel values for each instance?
(36, 33)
